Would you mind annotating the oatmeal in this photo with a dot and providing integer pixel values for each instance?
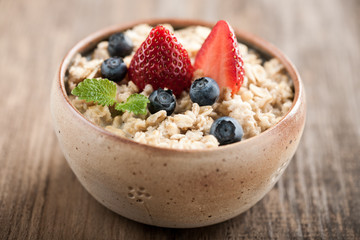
(264, 97)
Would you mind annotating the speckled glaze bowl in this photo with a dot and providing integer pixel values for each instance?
(167, 187)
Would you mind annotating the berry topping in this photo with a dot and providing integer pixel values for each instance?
(162, 100)
(114, 69)
(219, 57)
(204, 91)
(120, 45)
(162, 62)
(227, 130)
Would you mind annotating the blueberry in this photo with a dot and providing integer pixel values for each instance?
(114, 69)
(120, 45)
(204, 91)
(162, 100)
(226, 130)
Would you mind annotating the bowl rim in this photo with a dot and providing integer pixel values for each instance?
(247, 38)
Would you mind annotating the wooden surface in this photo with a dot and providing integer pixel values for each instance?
(318, 196)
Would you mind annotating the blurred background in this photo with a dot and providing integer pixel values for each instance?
(319, 194)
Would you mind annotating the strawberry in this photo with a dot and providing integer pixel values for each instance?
(162, 62)
(219, 57)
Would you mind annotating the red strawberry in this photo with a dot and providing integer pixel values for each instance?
(219, 57)
(162, 62)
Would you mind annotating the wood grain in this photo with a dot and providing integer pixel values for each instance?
(318, 197)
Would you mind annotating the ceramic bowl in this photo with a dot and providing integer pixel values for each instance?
(167, 187)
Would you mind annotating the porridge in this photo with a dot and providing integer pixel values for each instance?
(265, 95)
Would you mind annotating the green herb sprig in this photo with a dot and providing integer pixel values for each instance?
(103, 92)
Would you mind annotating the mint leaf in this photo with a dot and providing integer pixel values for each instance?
(101, 91)
(136, 103)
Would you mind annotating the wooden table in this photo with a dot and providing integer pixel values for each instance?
(317, 197)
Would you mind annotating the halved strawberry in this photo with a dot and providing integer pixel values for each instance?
(162, 62)
(220, 59)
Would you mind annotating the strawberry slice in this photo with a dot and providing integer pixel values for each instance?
(162, 62)
(220, 59)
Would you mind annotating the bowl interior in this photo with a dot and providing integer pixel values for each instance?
(265, 49)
